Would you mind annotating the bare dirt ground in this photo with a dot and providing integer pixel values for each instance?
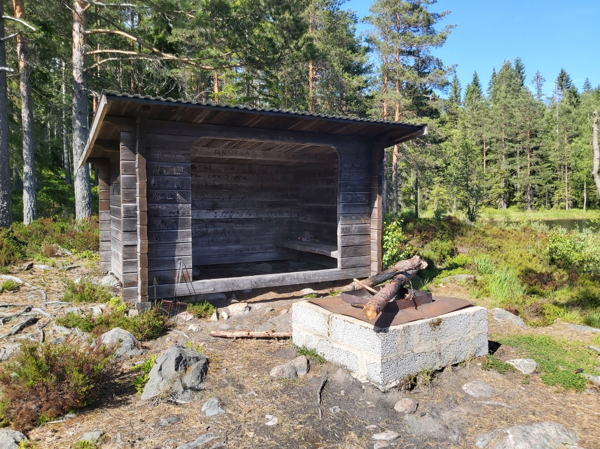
(239, 375)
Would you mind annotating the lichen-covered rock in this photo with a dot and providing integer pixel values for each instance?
(547, 435)
(301, 365)
(11, 439)
(286, 371)
(479, 389)
(177, 372)
(110, 281)
(503, 315)
(212, 407)
(526, 366)
(128, 345)
(406, 405)
(92, 437)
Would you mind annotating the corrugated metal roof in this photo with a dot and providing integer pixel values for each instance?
(110, 93)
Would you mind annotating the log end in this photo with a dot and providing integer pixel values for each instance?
(370, 312)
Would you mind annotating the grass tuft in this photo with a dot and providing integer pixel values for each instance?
(8, 286)
(492, 362)
(311, 353)
(202, 309)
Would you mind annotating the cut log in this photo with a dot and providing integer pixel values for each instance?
(387, 294)
(242, 334)
(415, 263)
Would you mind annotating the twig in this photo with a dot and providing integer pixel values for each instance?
(372, 290)
(242, 334)
(21, 21)
(11, 305)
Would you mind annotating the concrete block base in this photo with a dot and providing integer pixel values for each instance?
(386, 356)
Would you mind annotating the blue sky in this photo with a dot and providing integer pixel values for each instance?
(546, 34)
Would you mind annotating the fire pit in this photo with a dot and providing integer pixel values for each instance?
(416, 333)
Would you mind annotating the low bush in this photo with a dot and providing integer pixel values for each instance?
(140, 381)
(146, 326)
(45, 381)
(8, 286)
(202, 309)
(575, 251)
(393, 241)
(85, 291)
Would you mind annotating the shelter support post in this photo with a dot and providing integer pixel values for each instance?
(376, 210)
(103, 167)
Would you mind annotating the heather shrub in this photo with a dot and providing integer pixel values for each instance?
(85, 291)
(45, 381)
(575, 251)
(202, 309)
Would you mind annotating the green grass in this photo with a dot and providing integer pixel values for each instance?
(515, 214)
(495, 363)
(202, 309)
(8, 286)
(85, 291)
(557, 359)
(311, 353)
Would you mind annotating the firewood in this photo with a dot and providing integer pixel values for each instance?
(387, 294)
(415, 263)
(365, 286)
(242, 334)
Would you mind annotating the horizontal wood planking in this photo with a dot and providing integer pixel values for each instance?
(200, 260)
(272, 155)
(259, 281)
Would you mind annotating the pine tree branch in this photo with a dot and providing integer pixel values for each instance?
(21, 21)
(6, 69)
(10, 36)
(138, 56)
(116, 5)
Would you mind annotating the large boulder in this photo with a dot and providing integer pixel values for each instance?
(128, 345)
(11, 439)
(178, 372)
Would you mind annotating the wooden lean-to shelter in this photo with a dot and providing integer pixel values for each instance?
(202, 197)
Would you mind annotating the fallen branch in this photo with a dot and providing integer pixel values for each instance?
(387, 294)
(414, 263)
(19, 327)
(365, 286)
(11, 305)
(6, 319)
(242, 334)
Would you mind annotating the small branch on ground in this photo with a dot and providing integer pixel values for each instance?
(242, 334)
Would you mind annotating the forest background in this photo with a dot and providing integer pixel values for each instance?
(497, 143)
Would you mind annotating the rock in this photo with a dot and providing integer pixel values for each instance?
(11, 439)
(457, 278)
(547, 435)
(406, 405)
(169, 420)
(194, 327)
(593, 379)
(176, 370)
(62, 329)
(8, 351)
(301, 365)
(286, 371)
(98, 310)
(503, 315)
(135, 312)
(110, 281)
(185, 316)
(92, 437)
(214, 316)
(478, 389)
(264, 268)
(233, 298)
(280, 323)
(239, 308)
(388, 435)
(271, 420)
(6, 277)
(74, 310)
(595, 348)
(437, 425)
(212, 407)
(269, 309)
(216, 297)
(381, 445)
(307, 291)
(223, 315)
(526, 366)
(335, 409)
(199, 442)
(224, 327)
(579, 327)
(128, 344)
(27, 266)
(43, 267)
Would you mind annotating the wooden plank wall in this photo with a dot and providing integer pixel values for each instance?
(129, 216)
(169, 216)
(104, 213)
(317, 202)
(142, 209)
(241, 211)
(354, 230)
(115, 219)
(376, 210)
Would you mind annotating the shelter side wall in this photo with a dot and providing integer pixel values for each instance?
(241, 211)
(354, 210)
(104, 213)
(376, 210)
(129, 216)
(169, 216)
(116, 254)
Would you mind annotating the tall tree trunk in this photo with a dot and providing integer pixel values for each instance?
(5, 190)
(83, 194)
(596, 154)
(65, 133)
(417, 194)
(29, 193)
(17, 181)
(216, 86)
